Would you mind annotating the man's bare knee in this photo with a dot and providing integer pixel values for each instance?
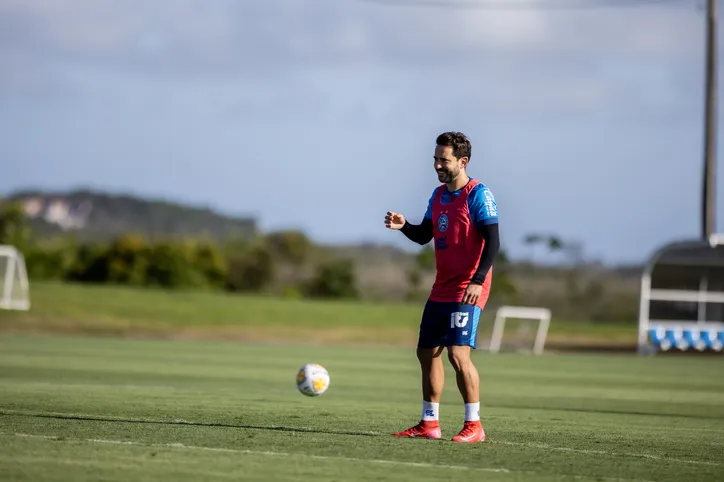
(459, 357)
(427, 355)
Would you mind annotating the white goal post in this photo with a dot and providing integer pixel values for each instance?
(15, 293)
(543, 315)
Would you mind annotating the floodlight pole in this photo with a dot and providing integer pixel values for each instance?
(710, 120)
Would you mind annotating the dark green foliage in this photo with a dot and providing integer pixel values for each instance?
(334, 279)
(171, 265)
(251, 270)
(127, 261)
(88, 265)
(130, 260)
(49, 262)
(14, 229)
(210, 262)
(292, 247)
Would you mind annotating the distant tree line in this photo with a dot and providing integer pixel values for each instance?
(289, 264)
(283, 261)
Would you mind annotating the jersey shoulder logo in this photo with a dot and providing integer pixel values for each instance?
(442, 223)
(491, 207)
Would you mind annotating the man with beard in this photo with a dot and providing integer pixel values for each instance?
(462, 217)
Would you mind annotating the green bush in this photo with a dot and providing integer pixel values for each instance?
(292, 247)
(50, 262)
(89, 265)
(334, 279)
(14, 228)
(171, 266)
(127, 261)
(211, 263)
(130, 260)
(251, 270)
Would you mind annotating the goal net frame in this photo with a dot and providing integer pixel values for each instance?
(543, 315)
(14, 271)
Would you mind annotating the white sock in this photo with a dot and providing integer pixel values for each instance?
(430, 410)
(472, 412)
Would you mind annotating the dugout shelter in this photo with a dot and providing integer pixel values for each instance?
(682, 298)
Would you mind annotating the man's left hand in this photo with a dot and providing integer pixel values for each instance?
(472, 293)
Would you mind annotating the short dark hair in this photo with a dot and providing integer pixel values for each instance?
(458, 141)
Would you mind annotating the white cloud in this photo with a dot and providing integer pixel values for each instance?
(224, 34)
(545, 63)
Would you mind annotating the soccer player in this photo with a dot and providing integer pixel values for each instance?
(462, 218)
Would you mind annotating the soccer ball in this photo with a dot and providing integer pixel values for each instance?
(312, 380)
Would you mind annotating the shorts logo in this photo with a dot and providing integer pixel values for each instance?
(459, 319)
(442, 223)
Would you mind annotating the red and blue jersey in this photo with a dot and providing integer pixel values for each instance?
(456, 219)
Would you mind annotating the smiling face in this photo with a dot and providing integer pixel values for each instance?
(447, 166)
(452, 154)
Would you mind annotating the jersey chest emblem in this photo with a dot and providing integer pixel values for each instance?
(442, 223)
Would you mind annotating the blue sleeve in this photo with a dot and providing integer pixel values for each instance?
(428, 213)
(482, 206)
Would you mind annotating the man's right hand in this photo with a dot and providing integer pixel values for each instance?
(394, 220)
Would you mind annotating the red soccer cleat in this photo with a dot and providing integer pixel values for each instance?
(472, 432)
(424, 429)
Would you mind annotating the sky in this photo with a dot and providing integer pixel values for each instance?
(322, 115)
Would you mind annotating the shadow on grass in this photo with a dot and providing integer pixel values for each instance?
(639, 413)
(279, 428)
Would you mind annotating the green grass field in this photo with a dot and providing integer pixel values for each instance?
(83, 408)
(66, 308)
